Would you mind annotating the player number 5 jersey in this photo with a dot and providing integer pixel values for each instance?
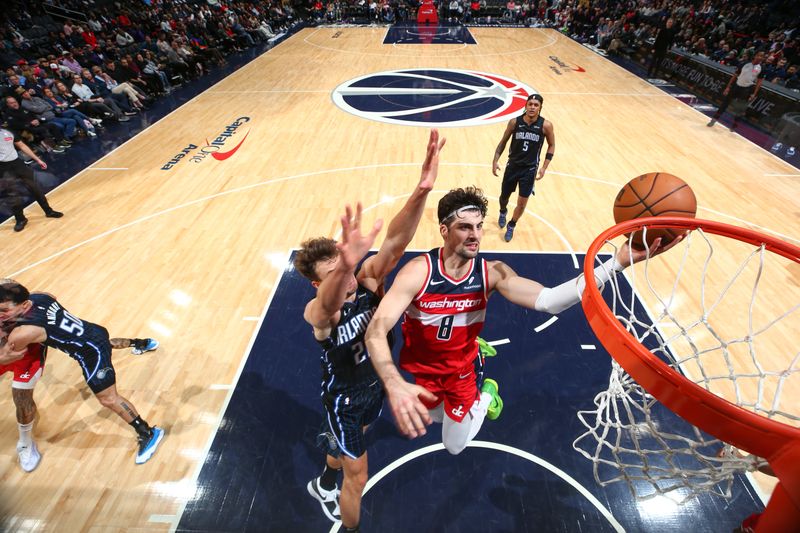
(526, 143)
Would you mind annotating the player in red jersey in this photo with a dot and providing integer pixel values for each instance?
(26, 372)
(443, 295)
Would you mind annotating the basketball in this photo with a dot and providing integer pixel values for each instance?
(655, 194)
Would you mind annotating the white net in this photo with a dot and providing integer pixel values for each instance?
(723, 313)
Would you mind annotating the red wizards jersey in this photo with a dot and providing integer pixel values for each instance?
(444, 319)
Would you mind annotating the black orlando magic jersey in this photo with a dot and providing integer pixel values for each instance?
(345, 361)
(65, 332)
(526, 143)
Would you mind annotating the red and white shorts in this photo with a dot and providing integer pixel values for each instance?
(458, 391)
(27, 370)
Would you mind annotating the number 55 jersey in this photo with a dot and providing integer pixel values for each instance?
(65, 332)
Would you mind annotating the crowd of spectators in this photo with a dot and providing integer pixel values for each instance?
(728, 32)
(64, 79)
(453, 11)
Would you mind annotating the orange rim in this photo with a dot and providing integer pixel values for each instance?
(715, 415)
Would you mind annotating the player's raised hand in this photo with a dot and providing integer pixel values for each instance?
(628, 254)
(354, 246)
(430, 167)
(409, 412)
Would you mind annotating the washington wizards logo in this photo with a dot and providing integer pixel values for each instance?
(433, 97)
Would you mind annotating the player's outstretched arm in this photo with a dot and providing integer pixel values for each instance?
(502, 145)
(332, 292)
(404, 224)
(512, 286)
(409, 412)
(13, 347)
(554, 300)
(533, 295)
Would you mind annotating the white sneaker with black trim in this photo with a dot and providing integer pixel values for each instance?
(29, 457)
(328, 499)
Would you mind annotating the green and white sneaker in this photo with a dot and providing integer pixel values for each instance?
(491, 387)
(486, 349)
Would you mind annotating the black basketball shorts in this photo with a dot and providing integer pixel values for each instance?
(95, 360)
(347, 413)
(525, 177)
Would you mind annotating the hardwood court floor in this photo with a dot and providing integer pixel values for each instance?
(190, 255)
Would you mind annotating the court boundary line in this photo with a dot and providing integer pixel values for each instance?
(543, 31)
(644, 80)
(546, 93)
(317, 173)
(243, 361)
(570, 250)
(496, 446)
(150, 127)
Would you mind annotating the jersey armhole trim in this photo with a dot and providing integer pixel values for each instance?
(429, 266)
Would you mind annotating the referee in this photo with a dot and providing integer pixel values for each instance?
(11, 163)
(748, 81)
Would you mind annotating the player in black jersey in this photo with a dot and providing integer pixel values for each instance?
(529, 132)
(346, 298)
(31, 318)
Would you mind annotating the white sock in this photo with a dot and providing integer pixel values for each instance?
(485, 401)
(25, 434)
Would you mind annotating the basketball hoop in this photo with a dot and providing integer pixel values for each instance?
(689, 371)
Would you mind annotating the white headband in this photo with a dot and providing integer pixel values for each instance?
(460, 209)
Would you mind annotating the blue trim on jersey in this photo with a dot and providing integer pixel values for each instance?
(78, 356)
(99, 359)
(337, 434)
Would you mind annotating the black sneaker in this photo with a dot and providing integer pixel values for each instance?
(53, 214)
(328, 499)
(148, 445)
(20, 225)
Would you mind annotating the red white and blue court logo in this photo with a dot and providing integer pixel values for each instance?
(433, 97)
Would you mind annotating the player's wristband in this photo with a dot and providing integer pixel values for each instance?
(556, 299)
(548, 156)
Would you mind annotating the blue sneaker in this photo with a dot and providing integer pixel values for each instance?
(509, 233)
(502, 220)
(147, 447)
(147, 346)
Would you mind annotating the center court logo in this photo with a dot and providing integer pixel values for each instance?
(220, 148)
(433, 97)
